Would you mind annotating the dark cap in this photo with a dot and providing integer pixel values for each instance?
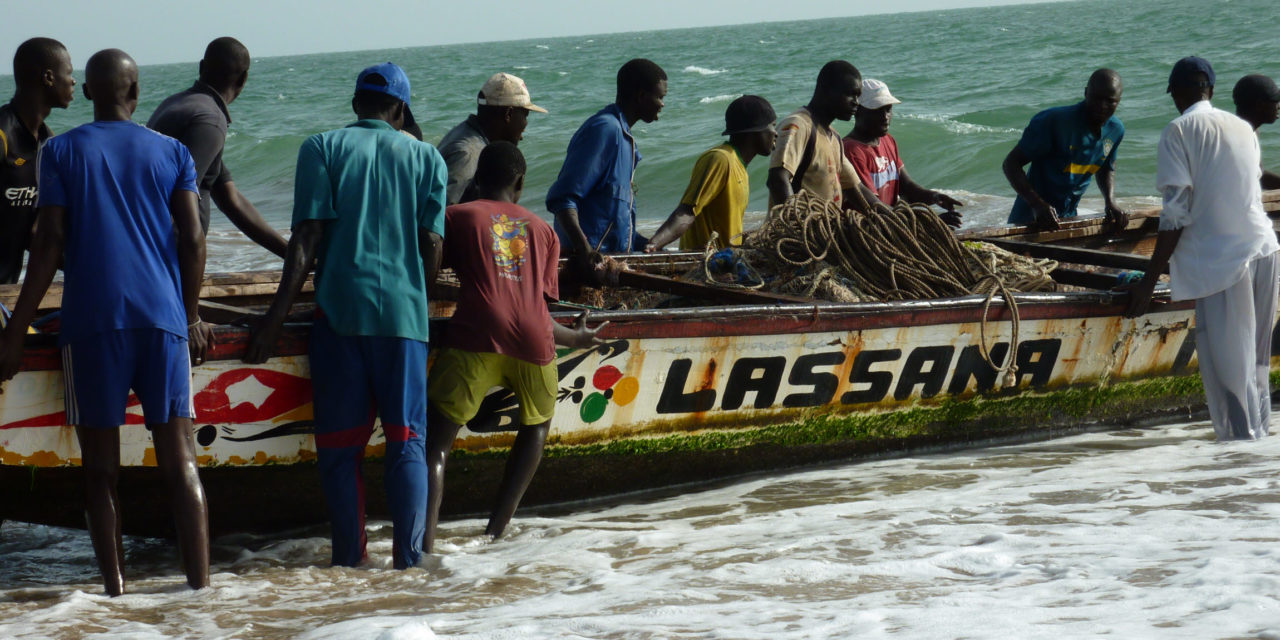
(748, 114)
(1255, 88)
(1185, 70)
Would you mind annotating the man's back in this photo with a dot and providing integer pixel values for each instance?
(115, 179)
(378, 188)
(507, 260)
(198, 118)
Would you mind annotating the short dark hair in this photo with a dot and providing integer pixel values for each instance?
(835, 71)
(500, 165)
(33, 57)
(224, 59)
(639, 75)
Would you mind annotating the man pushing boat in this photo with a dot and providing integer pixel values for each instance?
(368, 213)
(119, 201)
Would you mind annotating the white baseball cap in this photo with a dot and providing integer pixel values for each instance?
(875, 95)
(506, 90)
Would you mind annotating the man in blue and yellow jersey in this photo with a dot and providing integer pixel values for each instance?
(1066, 146)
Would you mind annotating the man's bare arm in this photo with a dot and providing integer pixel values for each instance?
(674, 227)
(246, 218)
(298, 262)
(431, 248)
(1046, 215)
(184, 207)
(779, 184)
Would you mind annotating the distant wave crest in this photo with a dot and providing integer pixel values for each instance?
(954, 126)
(721, 98)
(703, 70)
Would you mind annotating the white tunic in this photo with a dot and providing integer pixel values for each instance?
(1208, 170)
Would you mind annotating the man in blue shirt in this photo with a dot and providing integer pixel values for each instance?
(118, 206)
(1066, 146)
(593, 199)
(368, 212)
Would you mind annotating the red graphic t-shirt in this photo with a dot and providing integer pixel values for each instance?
(877, 166)
(507, 260)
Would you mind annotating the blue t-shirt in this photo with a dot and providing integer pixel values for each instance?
(1064, 154)
(115, 179)
(377, 187)
(595, 179)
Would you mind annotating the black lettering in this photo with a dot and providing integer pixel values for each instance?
(914, 373)
(878, 381)
(1037, 358)
(743, 378)
(675, 400)
(824, 384)
(1188, 349)
(971, 364)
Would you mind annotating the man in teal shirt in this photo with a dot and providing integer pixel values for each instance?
(368, 213)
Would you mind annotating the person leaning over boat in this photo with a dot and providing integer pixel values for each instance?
(502, 112)
(118, 208)
(368, 213)
(501, 335)
(1065, 147)
(593, 198)
(1258, 101)
(809, 154)
(873, 152)
(1220, 248)
(716, 198)
(42, 75)
(198, 118)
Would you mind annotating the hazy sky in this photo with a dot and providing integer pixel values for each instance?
(162, 31)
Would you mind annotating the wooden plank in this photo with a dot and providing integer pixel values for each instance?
(651, 282)
(1075, 255)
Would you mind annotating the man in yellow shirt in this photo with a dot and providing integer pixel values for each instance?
(718, 190)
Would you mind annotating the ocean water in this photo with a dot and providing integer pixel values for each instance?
(1143, 533)
(969, 80)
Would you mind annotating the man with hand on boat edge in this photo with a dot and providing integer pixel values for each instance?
(593, 198)
(118, 210)
(718, 191)
(501, 335)
(1258, 101)
(198, 118)
(873, 152)
(1066, 146)
(368, 214)
(42, 75)
(502, 113)
(1220, 248)
(809, 154)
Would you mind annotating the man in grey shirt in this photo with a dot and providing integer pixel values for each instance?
(502, 114)
(198, 118)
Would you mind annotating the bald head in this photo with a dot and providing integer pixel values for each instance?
(225, 64)
(111, 81)
(1102, 96)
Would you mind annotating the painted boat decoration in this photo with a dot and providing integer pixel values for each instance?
(674, 396)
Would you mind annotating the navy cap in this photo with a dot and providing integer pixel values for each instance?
(397, 85)
(748, 114)
(1185, 70)
(1255, 88)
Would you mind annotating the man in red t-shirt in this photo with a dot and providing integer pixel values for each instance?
(874, 154)
(507, 260)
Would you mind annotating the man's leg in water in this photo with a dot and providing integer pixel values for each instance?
(440, 436)
(176, 457)
(523, 461)
(100, 459)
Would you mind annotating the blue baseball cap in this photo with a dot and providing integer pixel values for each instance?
(1185, 70)
(397, 85)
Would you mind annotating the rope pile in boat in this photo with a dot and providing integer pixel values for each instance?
(904, 252)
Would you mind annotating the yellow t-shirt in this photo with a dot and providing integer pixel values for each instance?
(829, 172)
(718, 194)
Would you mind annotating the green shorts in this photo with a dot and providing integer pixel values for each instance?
(459, 381)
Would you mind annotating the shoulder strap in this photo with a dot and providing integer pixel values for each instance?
(805, 160)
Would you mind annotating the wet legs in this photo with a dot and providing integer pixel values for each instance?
(176, 457)
(522, 462)
(440, 436)
(100, 459)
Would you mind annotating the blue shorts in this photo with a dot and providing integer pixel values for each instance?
(100, 370)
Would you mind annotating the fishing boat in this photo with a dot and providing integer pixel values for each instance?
(742, 382)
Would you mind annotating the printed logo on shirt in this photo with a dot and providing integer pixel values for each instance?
(21, 196)
(510, 244)
(1106, 147)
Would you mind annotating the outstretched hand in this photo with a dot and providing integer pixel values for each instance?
(578, 335)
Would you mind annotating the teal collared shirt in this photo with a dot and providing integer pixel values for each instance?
(377, 187)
